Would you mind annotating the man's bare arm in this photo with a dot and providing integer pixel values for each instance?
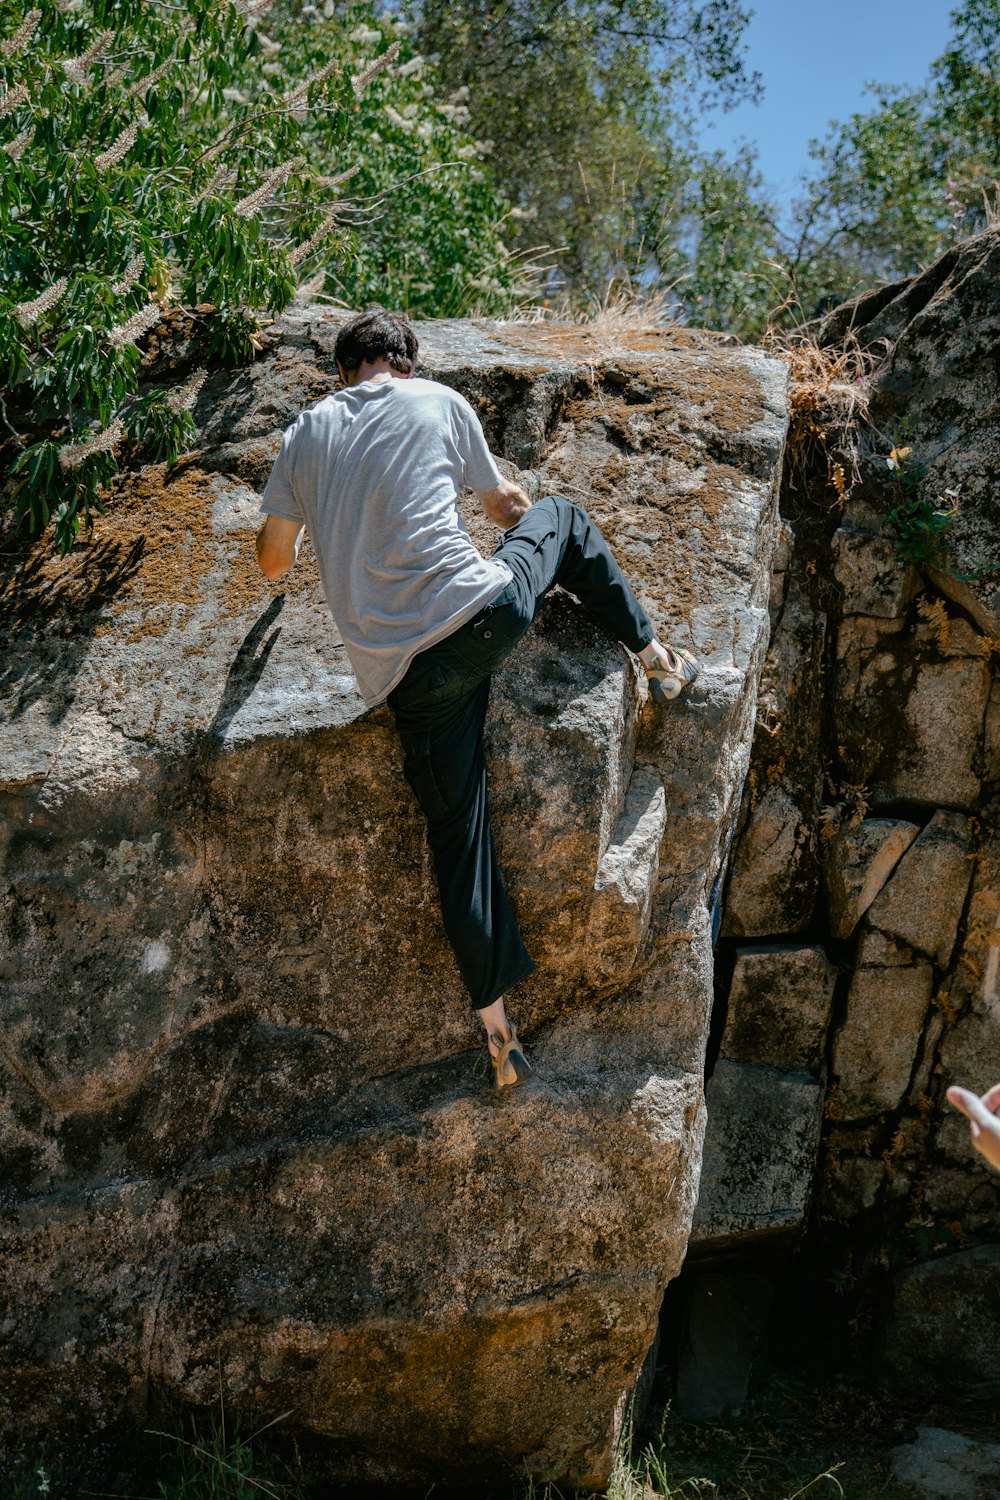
(505, 505)
(278, 542)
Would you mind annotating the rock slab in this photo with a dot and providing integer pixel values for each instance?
(221, 1169)
(760, 1154)
(922, 904)
(944, 1465)
(941, 1331)
(779, 1007)
(858, 861)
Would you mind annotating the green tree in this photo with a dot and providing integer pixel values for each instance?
(965, 111)
(733, 277)
(892, 188)
(584, 104)
(895, 185)
(159, 152)
(102, 206)
(428, 230)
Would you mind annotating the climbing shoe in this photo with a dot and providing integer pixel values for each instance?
(510, 1066)
(675, 671)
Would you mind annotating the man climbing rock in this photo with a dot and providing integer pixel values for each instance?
(374, 473)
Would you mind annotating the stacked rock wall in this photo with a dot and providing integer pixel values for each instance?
(862, 916)
(248, 1147)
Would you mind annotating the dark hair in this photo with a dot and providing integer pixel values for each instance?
(377, 335)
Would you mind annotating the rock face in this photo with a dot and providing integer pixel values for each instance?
(858, 861)
(779, 1007)
(760, 1154)
(247, 1143)
(875, 1048)
(775, 863)
(943, 1465)
(910, 712)
(922, 904)
(896, 879)
(940, 376)
(943, 1321)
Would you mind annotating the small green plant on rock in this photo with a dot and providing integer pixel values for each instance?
(921, 524)
(38, 1487)
(222, 1463)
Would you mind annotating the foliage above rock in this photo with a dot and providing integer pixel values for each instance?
(163, 153)
(588, 106)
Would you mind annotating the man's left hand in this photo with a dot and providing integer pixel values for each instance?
(505, 505)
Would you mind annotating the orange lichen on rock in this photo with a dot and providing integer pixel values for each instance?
(163, 517)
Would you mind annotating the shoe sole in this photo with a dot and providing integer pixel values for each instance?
(523, 1073)
(664, 687)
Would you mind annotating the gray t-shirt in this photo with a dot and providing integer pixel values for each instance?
(374, 472)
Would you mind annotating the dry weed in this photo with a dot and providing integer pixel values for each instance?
(623, 310)
(935, 614)
(828, 403)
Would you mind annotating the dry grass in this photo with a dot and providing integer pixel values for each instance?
(828, 401)
(623, 310)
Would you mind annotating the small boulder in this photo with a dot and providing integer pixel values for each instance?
(944, 1465)
(910, 711)
(922, 903)
(941, 1332)
(876, 1047)
(760, 1154)
(858, 862)
(779, 1007)
(939, 748)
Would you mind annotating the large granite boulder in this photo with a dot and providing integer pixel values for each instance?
(248, 1149)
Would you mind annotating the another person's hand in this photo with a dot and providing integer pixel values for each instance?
(984, 1121)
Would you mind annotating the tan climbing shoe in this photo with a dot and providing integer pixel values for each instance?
(675, 670)
(510, 1066)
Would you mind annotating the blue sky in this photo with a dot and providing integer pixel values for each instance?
(816, 59)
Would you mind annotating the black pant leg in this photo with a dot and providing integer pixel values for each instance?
(557, 542)
(445, 764)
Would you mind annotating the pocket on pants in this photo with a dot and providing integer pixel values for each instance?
(424, 682)
(489, 639)
(419, 772)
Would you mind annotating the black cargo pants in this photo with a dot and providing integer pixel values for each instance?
(440, 711)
